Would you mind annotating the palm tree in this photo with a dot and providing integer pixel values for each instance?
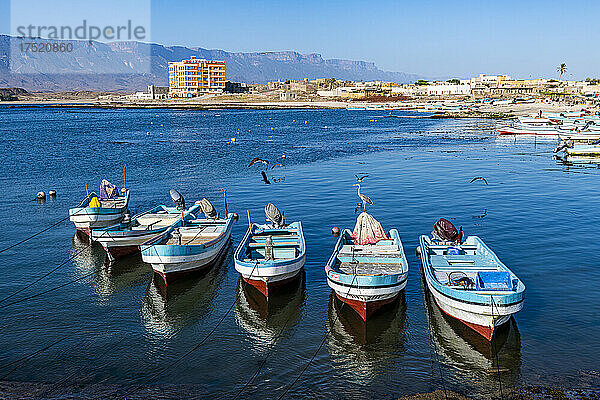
(562, 68)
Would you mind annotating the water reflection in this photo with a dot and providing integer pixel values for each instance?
(363, 350)
(168, 309)
(470, 356)
(90, 260)
(264, 320)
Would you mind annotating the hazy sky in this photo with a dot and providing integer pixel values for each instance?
(431, 38)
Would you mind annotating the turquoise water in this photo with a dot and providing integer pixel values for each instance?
(116, 332)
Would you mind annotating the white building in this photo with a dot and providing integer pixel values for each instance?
(448, 89)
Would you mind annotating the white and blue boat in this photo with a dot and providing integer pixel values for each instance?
(367, 271)
(273, 254)
(192, 245)
(125, 238)
(468, 281)
(102, 210)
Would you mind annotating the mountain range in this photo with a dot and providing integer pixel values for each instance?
(131, 66)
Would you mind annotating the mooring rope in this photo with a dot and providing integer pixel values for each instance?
(35, 234)
(495, 347)
(320, 345)
(197, 346)
(48, 273)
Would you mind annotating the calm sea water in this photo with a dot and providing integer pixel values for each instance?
(114, 329)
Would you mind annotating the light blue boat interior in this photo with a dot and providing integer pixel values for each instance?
(469, 271)
(288, 244)
(368, 265)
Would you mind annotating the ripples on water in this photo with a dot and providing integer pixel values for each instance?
(116, 327)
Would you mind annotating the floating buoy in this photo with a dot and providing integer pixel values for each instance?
(40, 196)
(52, 193)
(271, 128)
(147, 133)
(305, 122)
(335, 231)
(161, 124)
(232, 140)
(283, 155)
(160, 134)
(151, 123)
(293, 120)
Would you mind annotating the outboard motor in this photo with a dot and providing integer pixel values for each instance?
(274, 216)
(208, 209)
(177, 199)
(445, 231)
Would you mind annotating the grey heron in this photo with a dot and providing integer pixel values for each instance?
(365, 199)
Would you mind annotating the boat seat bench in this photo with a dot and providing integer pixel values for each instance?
(275, 244)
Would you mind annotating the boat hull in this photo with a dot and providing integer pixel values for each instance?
(478, 318)
(121, 244)
(268, 279)
(367, 300)
(87, 220)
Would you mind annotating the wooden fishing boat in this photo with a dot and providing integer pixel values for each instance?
(190, 246)
(125, 238)
(367, 271)
(468, 281)
(102, 210)
(272, 254)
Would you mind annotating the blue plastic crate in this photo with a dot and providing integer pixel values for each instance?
(496, 280)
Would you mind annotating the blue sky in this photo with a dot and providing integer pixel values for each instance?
(430, 38)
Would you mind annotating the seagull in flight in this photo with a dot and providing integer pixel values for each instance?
(360, 179)
(479, 178)
(258, 160)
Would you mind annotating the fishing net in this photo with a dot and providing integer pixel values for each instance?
(108, 190)
(367, 230)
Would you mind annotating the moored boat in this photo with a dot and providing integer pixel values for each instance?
(368, 268)
(272, 254)
(102, 210)
(538, 131)
(125, 238)
(468, 281)
(190, 246)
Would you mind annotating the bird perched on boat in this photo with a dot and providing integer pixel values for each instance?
(479, 178)
(258, 160)
(365, 199)
(360, 179)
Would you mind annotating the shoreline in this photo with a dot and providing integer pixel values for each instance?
(497, 112)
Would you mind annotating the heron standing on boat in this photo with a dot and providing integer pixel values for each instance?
(365, 199)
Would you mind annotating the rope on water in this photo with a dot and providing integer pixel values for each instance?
(42, 231)
(34, 235)
(196, 347)
(495, 347)
(318, 348)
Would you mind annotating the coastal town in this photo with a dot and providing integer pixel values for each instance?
(204, 82)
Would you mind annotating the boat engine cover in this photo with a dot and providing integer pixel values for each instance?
(445, 230)
(274, 216)
(208, 209)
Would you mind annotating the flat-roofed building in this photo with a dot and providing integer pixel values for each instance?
(193, 77)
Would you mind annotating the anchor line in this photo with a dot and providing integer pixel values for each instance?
(42, 231)
(264, 361)
(434, 347)
(318, 348)
(44, 275)
(196, 347)
(496, 348)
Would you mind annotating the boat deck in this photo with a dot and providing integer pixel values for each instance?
(383, 258)
(155, 220)
(286, 242)
(113, 203)
(195, 235)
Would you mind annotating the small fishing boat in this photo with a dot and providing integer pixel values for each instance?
(468, 281)
(125, 238)
(508, 130)
(368, 268)
(272, 254)
(189, 246)
(102, 210)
